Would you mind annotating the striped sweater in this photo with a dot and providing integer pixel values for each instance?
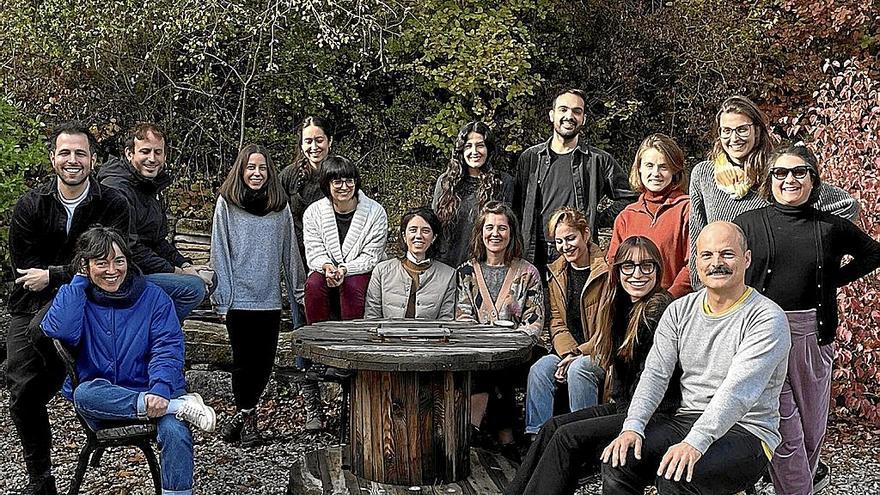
(710, 204)
(364, 244)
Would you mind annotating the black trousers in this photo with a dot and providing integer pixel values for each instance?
(253, 336)
(732, 463)
(35, 374)
(563, 445)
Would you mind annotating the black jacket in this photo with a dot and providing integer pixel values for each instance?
(149, 225)
(602, 176)
(833, 236)
(38, 236)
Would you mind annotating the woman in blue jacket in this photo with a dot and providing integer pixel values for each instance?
(129, 352)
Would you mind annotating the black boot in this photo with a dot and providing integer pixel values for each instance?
(44, 485)
(314, 409)
(250, 432)
(231, 431)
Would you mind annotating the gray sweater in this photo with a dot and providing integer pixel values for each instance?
(733, 364)
(249, 253)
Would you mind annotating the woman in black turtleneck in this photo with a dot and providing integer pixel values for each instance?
(796, 256)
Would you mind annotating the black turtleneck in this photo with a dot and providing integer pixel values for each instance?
(791, 282)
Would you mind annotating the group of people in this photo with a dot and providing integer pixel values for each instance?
(704, 333)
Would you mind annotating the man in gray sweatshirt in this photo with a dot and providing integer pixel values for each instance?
(732, 345)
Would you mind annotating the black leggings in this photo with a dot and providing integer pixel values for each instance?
(253, 336)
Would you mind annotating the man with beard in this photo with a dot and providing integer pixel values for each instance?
(731, 345)
(46, 223)
(566, 171)
(141, 177)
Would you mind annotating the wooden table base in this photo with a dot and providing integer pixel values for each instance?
(410, 428)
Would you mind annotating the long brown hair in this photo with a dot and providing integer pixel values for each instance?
(755, 165)
(611, 298)
(490, 180)
(234, 188)
(514, 247)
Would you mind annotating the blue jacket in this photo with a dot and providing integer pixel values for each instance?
(130, 337)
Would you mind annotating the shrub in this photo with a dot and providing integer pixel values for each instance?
(21, 154)
(844, 125)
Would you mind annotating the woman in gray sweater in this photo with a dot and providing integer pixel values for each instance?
(414, 286)
(252, 243)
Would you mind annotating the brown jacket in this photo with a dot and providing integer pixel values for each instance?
(560, 335)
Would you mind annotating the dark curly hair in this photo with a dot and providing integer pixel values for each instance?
(490, 180)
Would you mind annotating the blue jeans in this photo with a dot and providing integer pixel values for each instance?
(99, 400)
(187, 291)
(583, 378)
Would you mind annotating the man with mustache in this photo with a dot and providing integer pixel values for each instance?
(46, 223)
(141, 177)
(566, 171)
(731, 344)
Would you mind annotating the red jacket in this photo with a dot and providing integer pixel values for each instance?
(668, 228)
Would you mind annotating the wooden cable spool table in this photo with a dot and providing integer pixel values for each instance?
(410, 397)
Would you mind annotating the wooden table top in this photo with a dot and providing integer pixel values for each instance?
(411, 345)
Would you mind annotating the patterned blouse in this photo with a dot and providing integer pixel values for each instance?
(520, 300)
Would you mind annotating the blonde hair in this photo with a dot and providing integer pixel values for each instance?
(674, 159)
(569, 216)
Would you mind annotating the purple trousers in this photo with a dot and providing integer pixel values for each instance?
(352, 295)
(803, 407)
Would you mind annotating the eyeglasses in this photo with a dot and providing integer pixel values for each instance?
(742, 131)
(799, 172)
(338, 183)
(646, 267)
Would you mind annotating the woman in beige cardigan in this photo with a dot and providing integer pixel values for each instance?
(415, 285)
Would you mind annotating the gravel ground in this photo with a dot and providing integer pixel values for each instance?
(852, 450)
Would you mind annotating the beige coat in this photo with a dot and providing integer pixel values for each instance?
(388, 292)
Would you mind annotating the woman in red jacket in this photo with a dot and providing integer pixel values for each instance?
(662, 211)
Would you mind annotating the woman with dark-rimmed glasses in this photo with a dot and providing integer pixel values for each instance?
(796, 261)
(625, 312)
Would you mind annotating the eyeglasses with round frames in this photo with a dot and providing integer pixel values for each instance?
(338, 183)
(742, 131)
(799, 172)
(646, 267)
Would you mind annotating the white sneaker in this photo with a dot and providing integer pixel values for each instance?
(195, 412)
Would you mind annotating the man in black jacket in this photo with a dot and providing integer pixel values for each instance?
(46, 223)
(141, 177)
(566, 171)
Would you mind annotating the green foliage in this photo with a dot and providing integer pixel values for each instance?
(21, 155)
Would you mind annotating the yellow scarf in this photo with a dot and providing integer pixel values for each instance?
(731, 178)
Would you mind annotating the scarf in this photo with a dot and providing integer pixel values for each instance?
(731, 178)
(255, 202)
(127, 294)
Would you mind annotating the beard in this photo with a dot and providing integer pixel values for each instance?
(565, 133)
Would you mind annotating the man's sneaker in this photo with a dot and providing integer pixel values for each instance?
(195, 412)
(822, 478)
(231, 431)
(250, 433)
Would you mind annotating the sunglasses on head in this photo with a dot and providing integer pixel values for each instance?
(799, 172)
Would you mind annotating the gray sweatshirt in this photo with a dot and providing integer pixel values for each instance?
(249, 254)
(733, 364)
